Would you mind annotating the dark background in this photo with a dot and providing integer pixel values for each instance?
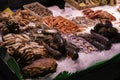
(15, 4)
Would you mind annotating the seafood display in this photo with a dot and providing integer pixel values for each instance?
(55, 44)
(98, 14)
(24, 17)
(24, 51)
(40, 67)
(1, 25)
(13, 25)
(37, 9)
(39, 41)
(87, 2)
(80, 42)
(85, 22)
(29, 55)
(10, 25)
(103, 35)
(52, 38)
(108, 31)
(62, 24)
(99, 41)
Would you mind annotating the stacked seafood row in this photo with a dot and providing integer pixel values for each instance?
(98, 14)
(35, 46)
(104, 31)
(80, 42)
(29, 55)
(63, 25)
(37, 43)
(37, 9)
(96, 40)
(84, 21)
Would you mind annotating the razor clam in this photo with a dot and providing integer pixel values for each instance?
(54, 53)
(23, 38)
(26, 36)
(72, 51)
(8, 36)
(99, 45)
(96, 42)
(102, 39)
(50, 31)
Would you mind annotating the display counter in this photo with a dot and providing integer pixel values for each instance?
(49, 43)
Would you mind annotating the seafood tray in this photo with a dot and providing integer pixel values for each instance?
(79, 4)
(37, 9)
(92, 71)
(62, 24)
(85, 22)
(80, 42)
(89, 13)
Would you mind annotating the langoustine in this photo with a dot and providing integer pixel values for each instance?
(98, 14)
(62, 24)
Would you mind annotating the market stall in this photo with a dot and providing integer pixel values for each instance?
(47, 43)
